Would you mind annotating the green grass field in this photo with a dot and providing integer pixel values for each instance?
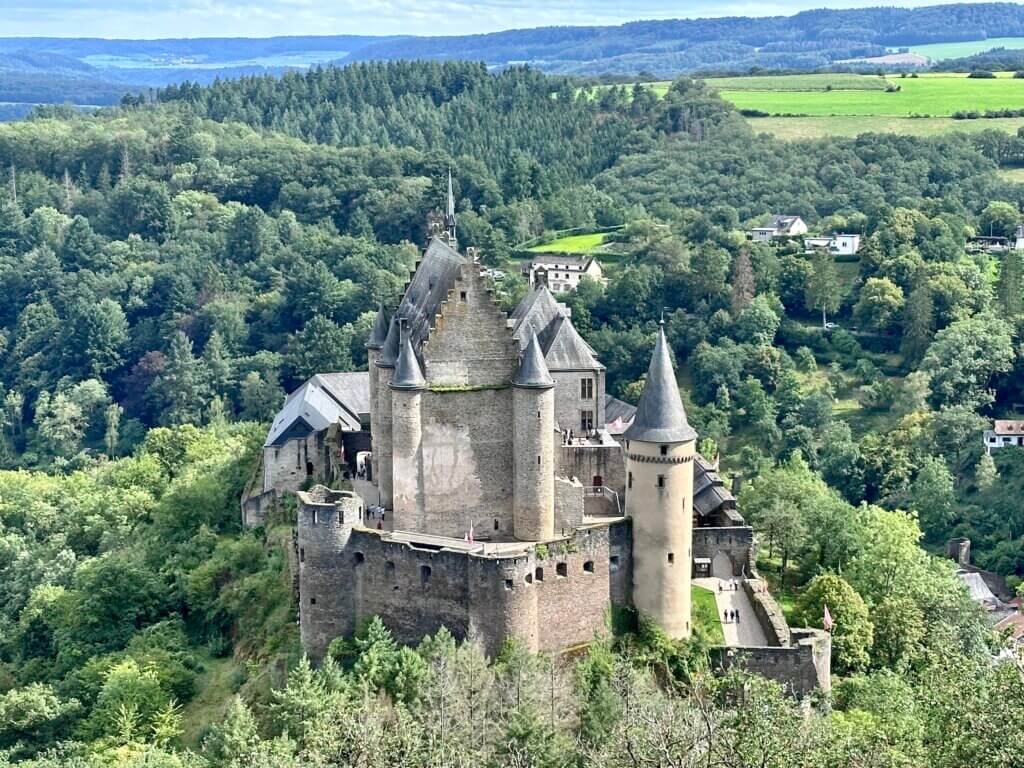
(938, 95)
(813, 82)
(853, 125)
(572, 244)
(705, 614)
(939, 51)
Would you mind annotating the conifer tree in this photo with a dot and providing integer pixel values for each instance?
(918, 322)
(180, 389)
(743, 287)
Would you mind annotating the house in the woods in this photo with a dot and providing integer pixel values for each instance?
(777, 226)
(1004, 433)
(561, 272)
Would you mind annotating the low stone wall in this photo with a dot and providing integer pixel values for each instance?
(769, 614)
(569, 505)
(801, 668)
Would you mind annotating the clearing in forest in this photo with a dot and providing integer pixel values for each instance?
(933, 95)
(572, 244)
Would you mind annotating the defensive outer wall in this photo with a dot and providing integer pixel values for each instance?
(552, 597)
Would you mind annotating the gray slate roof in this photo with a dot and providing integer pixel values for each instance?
(710, 494)
(379, 332)
(389, 353)
(615, 409)
(660, 417)
(408, 374)
(541, 315)
(434, 277)
(325, 399)
(533, 372)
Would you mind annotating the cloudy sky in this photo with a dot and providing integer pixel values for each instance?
(261, 18)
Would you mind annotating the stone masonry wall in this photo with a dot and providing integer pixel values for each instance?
(569, 505)
(284, 467)
(557, 601)
(587, 463)
(569, 402)
(769, 614)
(737, 542)
(471, 344)
(801, 668)
(467, 462)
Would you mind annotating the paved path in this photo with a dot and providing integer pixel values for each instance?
(747, 631)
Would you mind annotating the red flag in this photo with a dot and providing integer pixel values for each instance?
(826, 621)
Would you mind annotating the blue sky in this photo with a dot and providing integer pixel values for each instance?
(262, 18)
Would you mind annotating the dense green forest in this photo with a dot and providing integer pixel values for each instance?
(173, 268)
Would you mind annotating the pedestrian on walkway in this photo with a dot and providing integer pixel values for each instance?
(725, 616)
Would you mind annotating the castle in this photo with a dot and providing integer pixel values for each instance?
(511, 509)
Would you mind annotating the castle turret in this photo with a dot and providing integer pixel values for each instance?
(374, 345)
(660, 448)
(385, 371)
(407, 386)
(533, 435)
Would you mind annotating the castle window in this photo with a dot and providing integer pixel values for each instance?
(588, 567)
(586, 420)
(358, 559)
(562, 570)
(312, 601)
(462, 295)
(389, 568)
(630, 482)
(587, 389)
(315, 517)
(661, 481)
(302, 554)
(664, 450)
(528, 578)
(613, 563)
(538, 461)
(671, 558)
(497, 525)
(539, 574)
(508, 585)
(425, 575)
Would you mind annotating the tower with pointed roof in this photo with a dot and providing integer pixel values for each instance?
(533, 441)
(407, 386)
(660, 448)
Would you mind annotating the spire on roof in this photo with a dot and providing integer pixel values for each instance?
(449, 216)
(408, 374)
(379, 332)
(660, 417)
(533, 371)
(389, 353)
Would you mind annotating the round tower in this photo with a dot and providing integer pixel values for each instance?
(385, 371)
(533, 439)
(374, 345)
(660, 448)
(407, 386)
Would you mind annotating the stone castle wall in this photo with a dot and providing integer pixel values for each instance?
(735, 543)
(569, 403)
(801, 668)
(284, 467)
(551, 600)
(467, 462)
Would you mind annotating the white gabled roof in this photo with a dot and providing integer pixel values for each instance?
(325, 399)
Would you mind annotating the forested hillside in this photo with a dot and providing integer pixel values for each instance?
(172, 269)
(666, 48)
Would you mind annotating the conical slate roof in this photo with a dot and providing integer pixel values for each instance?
(389, 354)
(408, 374)
(379, 332)
(660, 417)
(533, 371)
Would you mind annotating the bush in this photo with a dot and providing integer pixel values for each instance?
(981, 74)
